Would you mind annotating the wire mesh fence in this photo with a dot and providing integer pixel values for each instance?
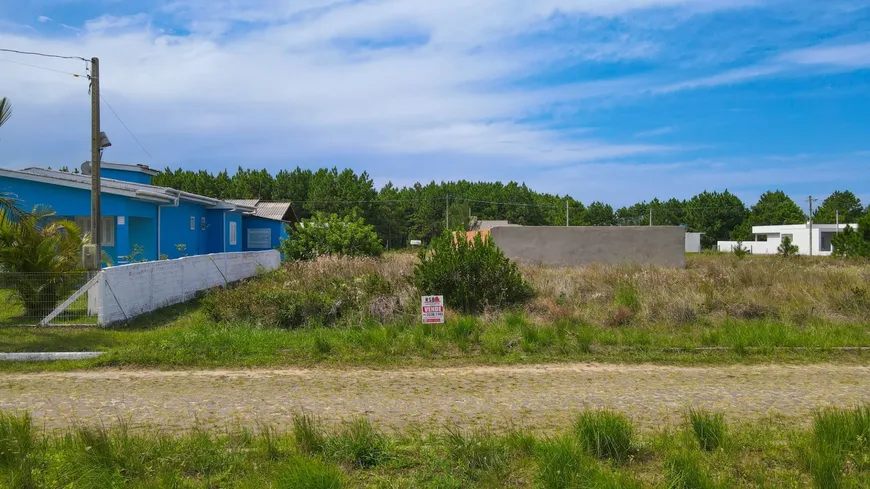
(31, 299)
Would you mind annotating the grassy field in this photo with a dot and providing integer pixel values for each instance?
(364, 312)
(601, 450)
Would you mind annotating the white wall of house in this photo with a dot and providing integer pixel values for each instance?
(693, 242)
(130, 290)
(822, 234)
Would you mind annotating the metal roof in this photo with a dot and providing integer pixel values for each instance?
(134, 190)
(275, 211)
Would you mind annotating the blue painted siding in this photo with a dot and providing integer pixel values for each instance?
(124, 175)
(73, 201)
(215, 231)
(277, 228)
(234, 218)
(175, 229)
(143, 232)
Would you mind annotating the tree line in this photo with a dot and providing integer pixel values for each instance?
(421, 211)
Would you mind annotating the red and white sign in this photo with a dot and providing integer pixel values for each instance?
(433, 309)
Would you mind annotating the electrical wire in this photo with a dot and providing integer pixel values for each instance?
(44, 55)
(76, 75)
(125, 125)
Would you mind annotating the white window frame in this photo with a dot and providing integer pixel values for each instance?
(107, 229)
(192, 223)
(234, 238)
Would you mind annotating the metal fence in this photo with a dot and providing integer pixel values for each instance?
(45, 299)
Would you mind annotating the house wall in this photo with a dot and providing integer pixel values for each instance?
(130, 290)
(800, 238)
(234, 217)
(71, 202)
(175, 230)
(276, 227)
(126, 176)
(584, 245)
(143, 232)
(215, 232)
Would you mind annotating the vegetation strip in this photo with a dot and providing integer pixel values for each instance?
(601, 449)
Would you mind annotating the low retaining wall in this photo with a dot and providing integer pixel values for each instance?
(585, 245)
(130, 290)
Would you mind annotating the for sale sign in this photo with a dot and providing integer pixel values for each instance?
(433, 309)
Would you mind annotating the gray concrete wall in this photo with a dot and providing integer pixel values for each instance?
(576, 246)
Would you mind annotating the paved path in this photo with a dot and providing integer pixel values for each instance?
(540, 397)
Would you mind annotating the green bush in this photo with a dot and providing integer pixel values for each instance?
(709, 428)
(851, 243)
(786, 248)
(839, 438)
(331, 235)
(470, 275)
(740, 251)
(43, 257)
(606, 434)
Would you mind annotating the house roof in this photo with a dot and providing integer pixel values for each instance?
(138, 191)
(86, 168)
(784, 228)
(275, 211)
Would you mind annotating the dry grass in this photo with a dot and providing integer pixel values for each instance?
(709, 288)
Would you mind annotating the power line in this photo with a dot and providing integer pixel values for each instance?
(76, 75)
(44, 55)
(125, 125)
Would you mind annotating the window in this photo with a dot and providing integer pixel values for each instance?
(789, 236)
(202, 224)
(107, 229)
(232, 233)
(192, 223)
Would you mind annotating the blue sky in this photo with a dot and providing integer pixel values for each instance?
(614, 100)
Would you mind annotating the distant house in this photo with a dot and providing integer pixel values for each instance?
(160, 221)
(768, 238)
(266, 226)
(693, 242)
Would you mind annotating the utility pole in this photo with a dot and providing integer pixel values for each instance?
(96, 147)
(810, 200)
(567, 220)
(838, 220)
(650, 216)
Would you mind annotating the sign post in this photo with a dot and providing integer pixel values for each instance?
(433, 309)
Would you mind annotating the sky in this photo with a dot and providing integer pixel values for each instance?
(612, 100)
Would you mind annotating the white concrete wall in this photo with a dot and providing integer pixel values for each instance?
(693, 242)
(129, 290)
(800, 238)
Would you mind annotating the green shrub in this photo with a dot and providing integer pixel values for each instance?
(309, 473)
(786, 248)
(709, 428)
(358, 444)
(685, 470)
(42, 255)
(331, 235)
(740, 251)
(606, 434)
(563, 465)
(470, 275)
(851, 243)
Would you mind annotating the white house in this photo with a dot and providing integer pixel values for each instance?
(822, 234)
(693, 242)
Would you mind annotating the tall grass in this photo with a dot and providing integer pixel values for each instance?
(606, 434)
(838, 443)
(830, 453)
(708, 428)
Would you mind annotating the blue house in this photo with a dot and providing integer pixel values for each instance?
(161, 221)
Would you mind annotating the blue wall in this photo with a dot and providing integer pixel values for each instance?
(125, 175)
(235, 217)
(143, 232)
(175, 230)
(277, 227)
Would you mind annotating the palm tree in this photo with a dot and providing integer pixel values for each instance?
(5, 110)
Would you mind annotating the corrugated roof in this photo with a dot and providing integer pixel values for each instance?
(276, 211)
(121, 187)
(249, 202)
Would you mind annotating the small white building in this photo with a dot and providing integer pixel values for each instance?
(693, 242)
(822, 234)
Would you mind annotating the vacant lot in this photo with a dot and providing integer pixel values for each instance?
(364, 312)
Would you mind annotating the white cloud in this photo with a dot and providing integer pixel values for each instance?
(43, 19)
(655, 132)
(848, 56)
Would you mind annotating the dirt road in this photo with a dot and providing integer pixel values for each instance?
(540, 397)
